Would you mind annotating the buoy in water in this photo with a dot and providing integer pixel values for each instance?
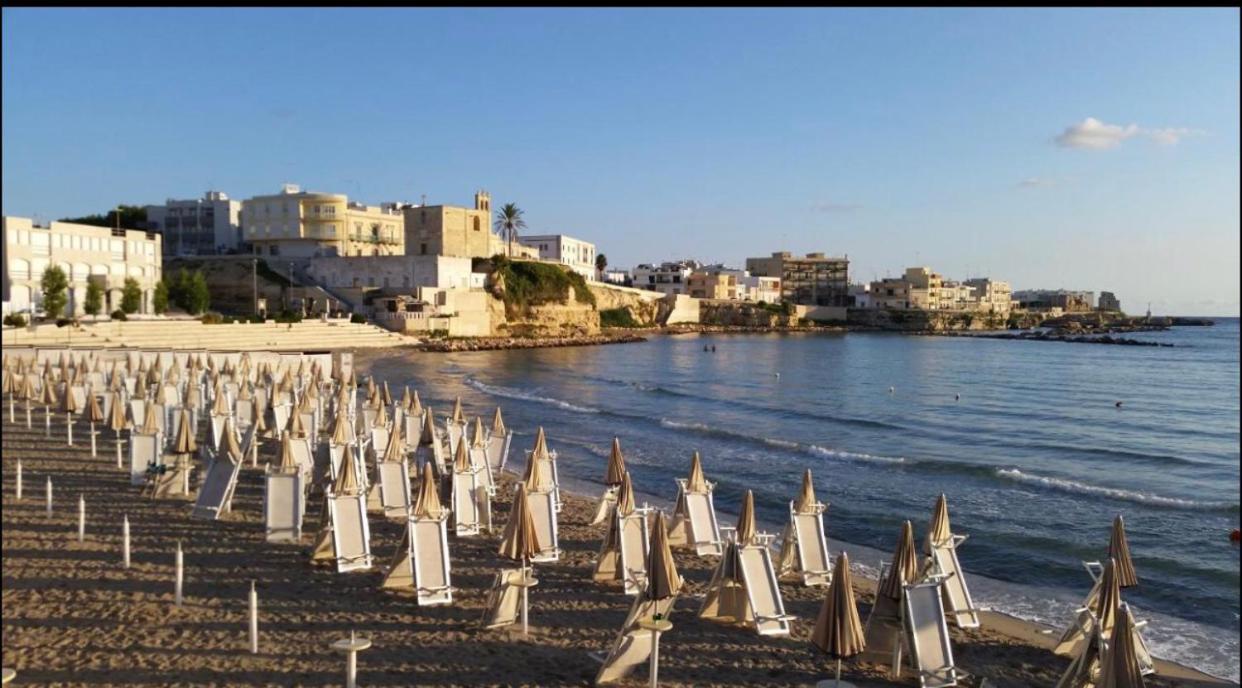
(891, 389)
(1235, 536)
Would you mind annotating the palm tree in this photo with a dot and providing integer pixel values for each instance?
(601, 264)
(508, 222)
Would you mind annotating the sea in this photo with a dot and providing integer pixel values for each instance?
(1025, 438)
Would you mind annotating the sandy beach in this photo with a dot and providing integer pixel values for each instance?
(73, 616)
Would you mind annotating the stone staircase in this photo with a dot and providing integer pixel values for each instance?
(191, 334)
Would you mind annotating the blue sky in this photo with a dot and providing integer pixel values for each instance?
(1091, 149)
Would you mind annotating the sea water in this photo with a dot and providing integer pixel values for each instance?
(1024, 437)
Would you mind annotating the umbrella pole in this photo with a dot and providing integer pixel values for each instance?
(118, 449)
(838, 672)
(93, 452)
(69, 427)
(27, 415)
(525, 605)
(47, 421)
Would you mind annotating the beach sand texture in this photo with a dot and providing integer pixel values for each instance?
(73, 616)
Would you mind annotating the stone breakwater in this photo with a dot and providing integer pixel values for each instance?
(495, 343)
(747, 329)
(1052, 337)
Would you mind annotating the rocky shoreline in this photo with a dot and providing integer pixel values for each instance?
(1057, 337)
(500, 343)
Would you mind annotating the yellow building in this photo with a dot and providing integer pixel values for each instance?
(449, 230)
(713, 283)
(306, 224)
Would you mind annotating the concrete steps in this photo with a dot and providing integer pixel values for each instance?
(189, 334)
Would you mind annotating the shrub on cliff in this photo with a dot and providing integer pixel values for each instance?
(523, 284)
(617, 317)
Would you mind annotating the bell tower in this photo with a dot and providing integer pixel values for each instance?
(483, 201)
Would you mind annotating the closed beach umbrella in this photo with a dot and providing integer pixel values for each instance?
(395, 451)
(616, 464)
(625, 496)
(347, 480)
(938, 532)
(806, 501)
(69, 404)
(94, 412)
(536, 479)
(296, 427)
(340, 429)
(541, 445)
(116, 420)
(429, 429)
(231, 448)
(746, 521)
(458, 415)
(663, 581)
(193, 393)
(184, 442)
(387, 397)
(381, 417)
(520, 541)
(427, 502)
(461, 459)
(150, 421)
(838, 632)
(905, 567)
(416, 406)
(28, 389)
(696, 482)
(140, 387)
(405, 397)
(477, 438)
(1109, 599)
(1120, 663)
(49, 398)
(498, 424)
(220, 407)
(289, 463)
(1119, 551)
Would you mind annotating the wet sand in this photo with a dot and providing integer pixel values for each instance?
(73, 616)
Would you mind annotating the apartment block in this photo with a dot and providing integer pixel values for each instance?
(197, 227)
(810, 280)
(577, 254)
(666, 278)
(308, 224)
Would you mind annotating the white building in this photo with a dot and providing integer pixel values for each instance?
(617, 276)
(203, 226)
(992, 296)
(756, 287)
(86, 253)
(579, 255)
(665, 278)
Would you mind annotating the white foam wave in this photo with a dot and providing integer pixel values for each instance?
(857, 456)
(680, 425)
(496, 390)
(1115, 493)
(785, 444)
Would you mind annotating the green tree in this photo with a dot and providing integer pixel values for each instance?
(601, 264)
(94, 298)
(178, 287)
(198, 296)
(55, 291)
(131, 296)
(159, 300)
(132, 217)
(508, 222)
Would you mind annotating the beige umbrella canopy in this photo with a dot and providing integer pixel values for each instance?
(296, 427)
(663, 581)
(429, 429)
(371, 388)
(461, 458)
(94, 412)
(140, 387)
(1109, 599)
(616, 464)
(150, 421)
(340, 429)
(536, 478)
(427, 501)
(184, 442)
(416, 406)
(387, 396)
(395, 451)
(116, 420)
(838, 632)
(458, 415)
(1120, 663)
(905, 567)
(477, 438)
(220, 407)
(381, 416)
(193, 394)
(541, 445)
(28, 389)
(347, 480)
(405, 397)
(49, 397)
(498, 424)
(746, 521)
(696, 482)
(625, 496)
(805, 504)
(1119, 550)
(230, 447)
(288, 462)
(520, 541)
(69, 402)
(939, 532)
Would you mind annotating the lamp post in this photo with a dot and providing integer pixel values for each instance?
(254, 280)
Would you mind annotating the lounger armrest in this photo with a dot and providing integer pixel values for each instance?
(776, 617)
(959, 539)
(1140, 624)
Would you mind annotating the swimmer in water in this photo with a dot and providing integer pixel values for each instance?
(1118, 404)
(957, 397)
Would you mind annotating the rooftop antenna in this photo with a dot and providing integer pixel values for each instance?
(424, 199)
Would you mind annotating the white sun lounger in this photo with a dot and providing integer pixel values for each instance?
(478, 460)
(631, 648)
(413, 426)
(454, 431)
(280, 416)
(217, 430)
(137, 412)
(959, 606)
(1080, 628)
(504, 599)
(543, 512)
(379, 440)
(931, 655)
(498, 450)
(607, 502)
(144, 451)
(310, 421)
(763, 592)
(394, 486)
(244, 413)
(635, 542)
(704, 532)
(813, 560)
(282, 507)
(466, 503)
(422, 562)
(216, 494)
(351, 534)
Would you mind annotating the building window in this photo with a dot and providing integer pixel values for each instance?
(422, 249)
(476, 224)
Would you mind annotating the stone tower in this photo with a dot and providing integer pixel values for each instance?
(483, 201)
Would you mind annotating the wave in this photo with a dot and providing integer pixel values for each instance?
(1064, 485)
(812, 449)
(511, 393)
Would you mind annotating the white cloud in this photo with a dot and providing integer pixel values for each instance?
(1093, 134)
(1035, 183)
